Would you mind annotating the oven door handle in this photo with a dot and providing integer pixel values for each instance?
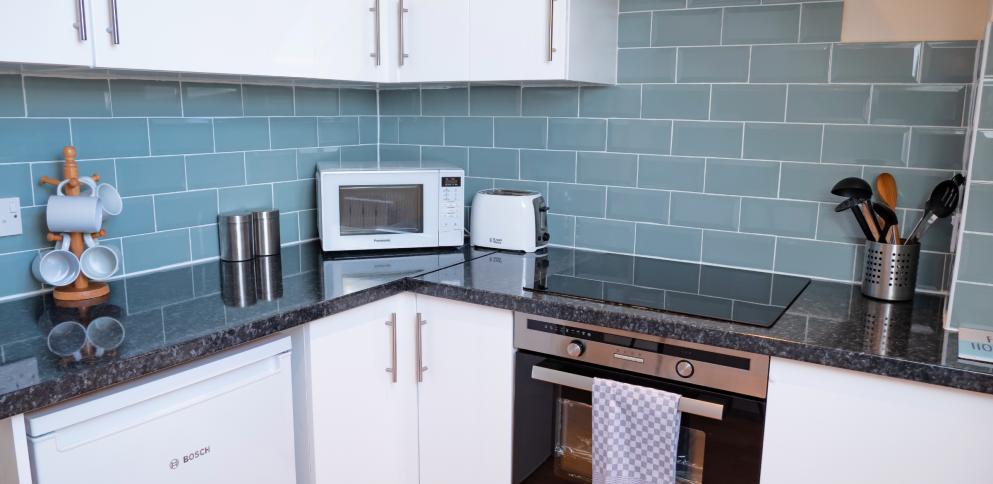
(686, 405)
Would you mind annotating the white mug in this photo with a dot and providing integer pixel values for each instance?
(74, 214)
(58, 267)
(110, 199)
(98, 262)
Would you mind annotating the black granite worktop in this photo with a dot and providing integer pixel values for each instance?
(179, 315)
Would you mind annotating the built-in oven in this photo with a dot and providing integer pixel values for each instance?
(722, 400)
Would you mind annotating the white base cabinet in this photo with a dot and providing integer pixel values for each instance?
(15, 465)
(827, 425)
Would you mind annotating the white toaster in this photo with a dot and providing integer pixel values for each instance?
(509, 220)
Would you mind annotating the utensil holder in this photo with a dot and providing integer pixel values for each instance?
(890, 271)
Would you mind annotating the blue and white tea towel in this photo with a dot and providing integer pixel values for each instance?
(635, 434)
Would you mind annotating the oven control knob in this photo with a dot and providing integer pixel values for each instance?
(684, 369)
(575, 348)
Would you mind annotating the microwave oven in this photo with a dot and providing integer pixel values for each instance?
(368, 209)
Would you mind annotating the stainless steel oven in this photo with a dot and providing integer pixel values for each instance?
(723, 400)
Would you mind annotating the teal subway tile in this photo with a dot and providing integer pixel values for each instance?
(236, 134)
(669, 242)
(453, 101)
(308, 158)
(790, 63)
(289, 227)
(637, 5)
(519, 132)
(866, 145)
(16, 181)
(637, 204)
(577, 134)
(308, 224)
(493, 163)
(171, 136)
(838, 226)
(634, 29)
(19, 280)
(364, 156)
(951, 62)
(607, 169)
(813, 181)
(989, 63)
(268, 100)
(494, 101)
(469, 131)
(582, 200)
(971, 306)
(656, 64)
(929, 105)
(389, 129)
(550, 101)
(610, 102)
(53, 169)
(297, 132)
(295, 195)
(561, 229)
(713, 64)
(215, 170)
(828, 104)
(400, 102)
(61, 97)
(34, 229)
(677, 101)
(720, 3)
(137, 217)
(151, 251)
(399, 156)
(270, 166)
(338, 131)
(778, 217)
(931, 272)
(33, 139)
(940, 148)
(761, 25)
(739, 250)
(473, 185)
(816, 259)
(133, 97)
(788, 142)
(986, 107)
(639, 136)
(445, 157)
(358, 101)
(821, 22)
(671, 173)
(697, 138)
(186, 209)
(743, 177)
(556, 166)
(876, 62)
(704, 211)
(11, 96)
(105, 138)
(748, 103)
(368, 130)
(204, 242)
(315, 101)
(608, 235)
(143, 176)
(686, 27)
(980, 218)
(201, 99)
(245, 199)
(528, 185)
(421, 130)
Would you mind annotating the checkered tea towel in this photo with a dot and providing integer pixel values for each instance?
(635, 434)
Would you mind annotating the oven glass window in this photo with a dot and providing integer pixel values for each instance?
(381, 209)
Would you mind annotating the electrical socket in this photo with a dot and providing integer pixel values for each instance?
(10, 216)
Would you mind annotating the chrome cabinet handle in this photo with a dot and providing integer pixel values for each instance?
(419, 351)
(377, 54)
(392, 370)
(81, 19)
(551, 30)
(400, 11)
(115, 27)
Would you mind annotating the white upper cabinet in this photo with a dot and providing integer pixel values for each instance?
(543, 40)
(46, 32)
(432, 41)
(357, 40)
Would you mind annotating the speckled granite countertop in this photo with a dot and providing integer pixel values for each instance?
(176, 316)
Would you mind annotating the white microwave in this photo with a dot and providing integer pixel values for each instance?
(389, 209)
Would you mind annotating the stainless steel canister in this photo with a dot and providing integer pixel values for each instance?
(890, 271)
(236, 234)
(266, 232)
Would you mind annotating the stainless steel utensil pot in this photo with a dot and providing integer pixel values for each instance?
(890, 271)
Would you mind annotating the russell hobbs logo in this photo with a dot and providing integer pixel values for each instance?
(192, 456)
(380, 240)
(496, 240)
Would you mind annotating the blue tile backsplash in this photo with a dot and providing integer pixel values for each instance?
(730, 122)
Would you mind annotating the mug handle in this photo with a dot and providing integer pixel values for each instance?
(90, 242)
(66, 242)
(85, 180)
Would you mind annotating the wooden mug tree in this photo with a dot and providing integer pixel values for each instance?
(82, 288)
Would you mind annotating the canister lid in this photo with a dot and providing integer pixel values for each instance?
(265, 215)
(239, 218)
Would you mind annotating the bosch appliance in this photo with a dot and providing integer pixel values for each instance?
(505, 219)
(370, 209)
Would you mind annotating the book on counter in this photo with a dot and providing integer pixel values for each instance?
(976, 344)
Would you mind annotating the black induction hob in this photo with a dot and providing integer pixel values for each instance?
(735, 295)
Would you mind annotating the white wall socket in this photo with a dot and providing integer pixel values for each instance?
(10, 216)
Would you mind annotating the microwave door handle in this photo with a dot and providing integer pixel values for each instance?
(686, 405)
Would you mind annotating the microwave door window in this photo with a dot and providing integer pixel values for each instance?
(381, 209)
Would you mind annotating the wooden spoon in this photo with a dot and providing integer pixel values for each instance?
(886, 190)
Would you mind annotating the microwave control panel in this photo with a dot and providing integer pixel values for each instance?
(451, 208)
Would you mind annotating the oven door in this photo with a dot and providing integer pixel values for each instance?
(553, 426)
(379, 210)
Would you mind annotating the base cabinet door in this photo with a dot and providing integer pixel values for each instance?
(466, 392)
(46, 32)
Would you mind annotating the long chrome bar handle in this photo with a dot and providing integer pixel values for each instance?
(551, 31)
(392, 370)
(377, 54)
(419, 350)
(400, 11)
(81, 19)
(115, 25)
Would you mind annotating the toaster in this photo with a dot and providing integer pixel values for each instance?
(509, 220)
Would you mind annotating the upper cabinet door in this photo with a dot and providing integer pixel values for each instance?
(514, 40)
(356, 35)
(432, 40)
(46, 32)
